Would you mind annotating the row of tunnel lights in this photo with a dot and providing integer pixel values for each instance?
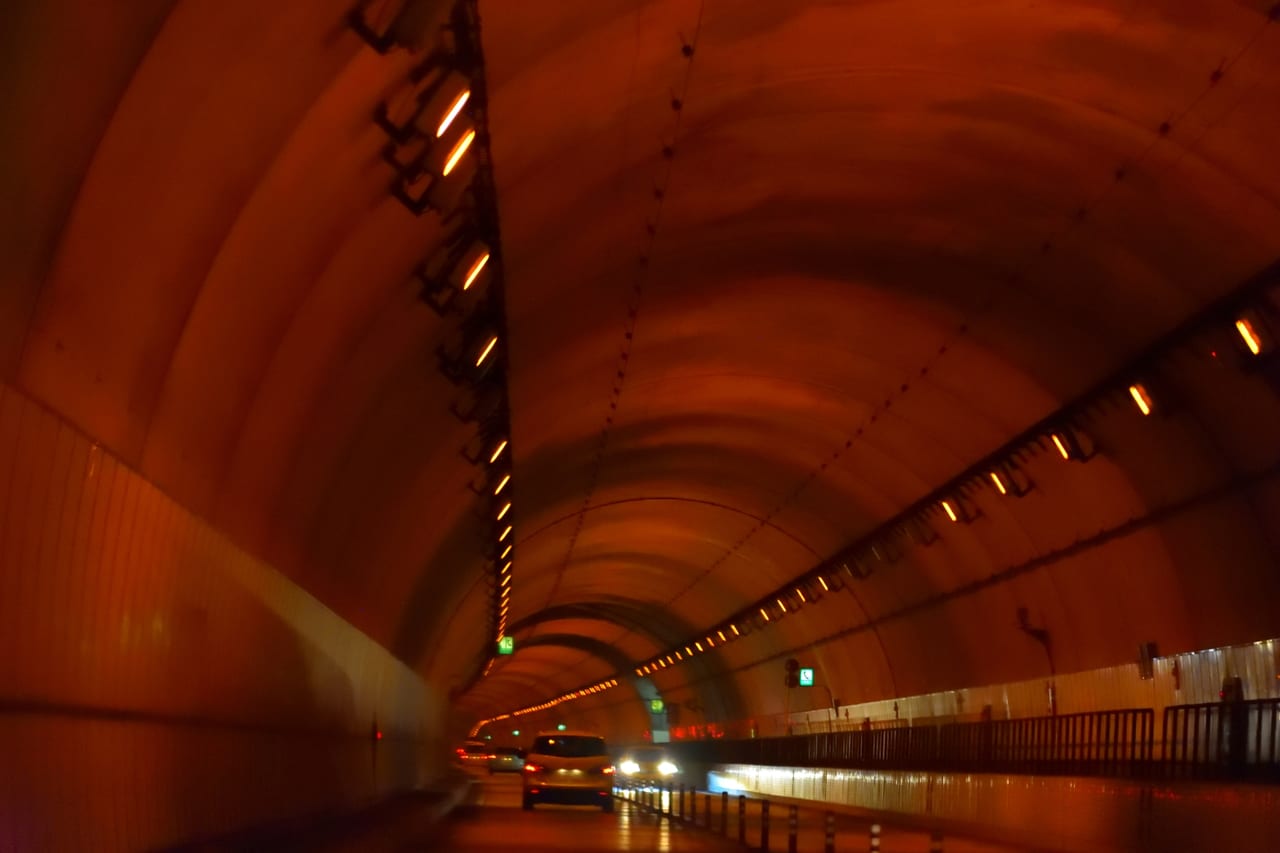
(432, 131)
(432, 119)
(580, 693)
(1070, 446)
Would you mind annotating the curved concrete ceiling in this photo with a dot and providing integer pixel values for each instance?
(874, 242)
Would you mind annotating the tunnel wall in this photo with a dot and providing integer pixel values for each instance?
(157, 684)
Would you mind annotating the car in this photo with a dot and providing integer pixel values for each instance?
(473, 753)
(506, 759)
(568, 767)
(648, 765)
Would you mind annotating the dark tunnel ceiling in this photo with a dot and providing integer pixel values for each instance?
(208, 276)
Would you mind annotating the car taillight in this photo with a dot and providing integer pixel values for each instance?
(531, 768)
(608, 771)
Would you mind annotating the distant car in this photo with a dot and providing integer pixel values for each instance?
(473, 753)
(568, 767)
(648, 764)
(506, 759)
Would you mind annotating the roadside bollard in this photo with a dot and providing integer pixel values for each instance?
(724, 813)
(875, 838)
(764, 826)
(793, 828)
(671, 799)
(706, 809)
(682, 801)
(935, 842)
(742, 819)
(829, 834)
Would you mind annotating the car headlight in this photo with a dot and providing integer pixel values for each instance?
(666, 768)
(629, 767)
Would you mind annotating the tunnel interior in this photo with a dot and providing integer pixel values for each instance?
(931, 344)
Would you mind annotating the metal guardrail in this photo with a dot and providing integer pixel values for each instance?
(1223, 740)
(1233, 740)
(1112, 743)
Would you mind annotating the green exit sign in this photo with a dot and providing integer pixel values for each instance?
(657, 706)
(806, 676)
(506, 645)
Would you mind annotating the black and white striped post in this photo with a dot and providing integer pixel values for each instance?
(706, 809)
(875, 838)
(724, 813)
(793, 828)
(764, 826)
(681, 801)
(829, 833)
(742, 819)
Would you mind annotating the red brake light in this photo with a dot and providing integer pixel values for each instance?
(531, 768)
(608, 771)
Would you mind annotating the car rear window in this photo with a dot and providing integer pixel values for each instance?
(475, 748)
(507, 750)
(570, 746)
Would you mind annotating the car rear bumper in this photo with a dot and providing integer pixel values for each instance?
(568, 796)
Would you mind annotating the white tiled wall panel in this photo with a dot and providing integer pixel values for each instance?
(157, 683)
(1063, 813)
(1199, 678)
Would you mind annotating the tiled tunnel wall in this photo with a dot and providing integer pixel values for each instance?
(157, 684)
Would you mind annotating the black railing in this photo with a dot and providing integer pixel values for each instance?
(1226, 740)
(1223, 740)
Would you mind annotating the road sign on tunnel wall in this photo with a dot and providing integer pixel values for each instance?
(506, 645)
(806, 676)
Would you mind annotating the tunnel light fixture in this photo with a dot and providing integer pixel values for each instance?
(711, 644)
(506, 568)
(505, 533)
(506, 581)
(765, 614)
(734, 629)
(502, 484)
(999, 483)
(506, 508)
(454, 108)
(950, 511)
(823, 581)
(670, 662)
(1141, 398)
(781, 605)
(722, 637)
(800, 593)
(688, 650)
(697, 645)
(1073, 445)
(1249, 335)
(505, 552)
(497, 451)
(459, 149)
(473, 272)
(488, 348)
(679, 657)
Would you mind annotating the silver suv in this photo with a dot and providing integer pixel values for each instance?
(568, 767)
